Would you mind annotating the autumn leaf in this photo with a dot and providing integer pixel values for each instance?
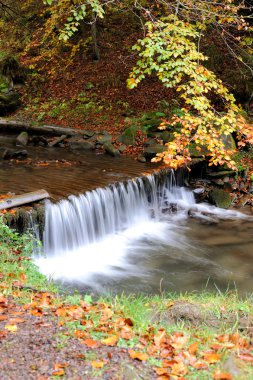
(222, 376)
(138, 355)
(161, 371)
(160, 338)
(178, 341)
(90, 343)
(179, 369)
(11, 328)
(193, 348)
(246, 357)
(111, 341)
(211, 357)
(97, 364)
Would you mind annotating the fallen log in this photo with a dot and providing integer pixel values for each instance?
(19, 126)
(23, 199)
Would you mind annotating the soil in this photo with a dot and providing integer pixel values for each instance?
(40, 349)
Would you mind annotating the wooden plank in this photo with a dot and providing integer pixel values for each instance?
(23, 199)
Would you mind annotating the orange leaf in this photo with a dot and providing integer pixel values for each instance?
(193, 348)
(211, 357)
(90, 343)
(179, 369)
(60, 372)
(161, 371)
(111, 341)
(246, 357)
(159, 338)
(96, 364)
(222, 375)
(137, 355)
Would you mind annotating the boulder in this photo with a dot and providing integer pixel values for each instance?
(80, 145)
(122, 148)
(22, 139)
(88, 133)
(220, 198)
(151, 151)
(103, 138)
(9, 154)
(9, 102)
(111, 150)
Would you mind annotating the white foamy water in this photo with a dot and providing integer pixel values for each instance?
(111, 233)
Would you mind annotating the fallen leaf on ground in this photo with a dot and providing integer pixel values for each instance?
(111, 341)
(11, 328)
(97, 364)
(211, 357)
(138, 355)
(218, 375)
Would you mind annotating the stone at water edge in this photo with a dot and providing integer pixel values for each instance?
(9, 153)
(22, 139)
(79, 145)
(141, 158)
(110, 149)
(151, 151)
(57, 140)
(220, 198)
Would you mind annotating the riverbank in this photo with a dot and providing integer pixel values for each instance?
(48, 334)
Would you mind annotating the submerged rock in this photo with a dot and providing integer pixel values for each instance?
(9, 154)
(220, 198)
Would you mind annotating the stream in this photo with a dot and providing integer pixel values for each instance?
(118, 238)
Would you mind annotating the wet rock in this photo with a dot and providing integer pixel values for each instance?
(150, 142)
(220, 198)
(151, 151)
(218, 181)
(57, 140)
(39, 140)
(22, 139)
(141, 158)
(199, 194)
(79, 145)
(103, 138)
(9, 154)
(197, 152)
(9, 102)
(111, 150)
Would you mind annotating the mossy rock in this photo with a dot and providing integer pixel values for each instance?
(194, 152)
(128, 136)
(151, 151)
(9, 102)
(220, 198)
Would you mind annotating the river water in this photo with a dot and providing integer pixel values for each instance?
(150, 253)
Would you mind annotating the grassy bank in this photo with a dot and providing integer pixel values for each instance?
(169, 336)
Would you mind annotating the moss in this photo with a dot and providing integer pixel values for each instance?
(220, 198)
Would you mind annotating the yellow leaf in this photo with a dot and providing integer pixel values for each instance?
(97, 364)
(11, 328)
(137, 355)
(111, 341)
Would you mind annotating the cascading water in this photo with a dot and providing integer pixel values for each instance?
(113, 234)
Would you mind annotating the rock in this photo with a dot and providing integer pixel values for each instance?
(39, 140)
(167, 136)
(150, 142)
(199, 194)
(22, 139)
(128, 136)
(194, 152)
(57, 140)
(110, 149)
(228, 142)
(141, 158)
(88, 134)
(218, 181)
(221, 174)
(9, 153)
(101, 139)
(79, 145)
(220, 198)
(151, 151)
(122, 148)
(9, 102)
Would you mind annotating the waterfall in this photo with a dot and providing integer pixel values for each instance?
(110, 232)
